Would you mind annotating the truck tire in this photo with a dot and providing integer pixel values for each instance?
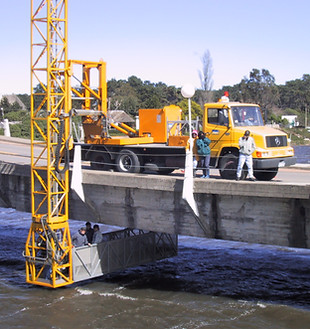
(128, 161)
(228, 167)
(265, 174)
(101, 160)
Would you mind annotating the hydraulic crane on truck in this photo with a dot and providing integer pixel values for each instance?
(51, 259)
(48, 250)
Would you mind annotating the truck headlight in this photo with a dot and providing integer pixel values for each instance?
(262, 154)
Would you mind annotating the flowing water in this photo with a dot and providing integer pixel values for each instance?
(210, 284)
(302, 153)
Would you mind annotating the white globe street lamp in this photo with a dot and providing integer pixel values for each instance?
(188, 91)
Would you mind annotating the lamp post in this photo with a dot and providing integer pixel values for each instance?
(188, 91)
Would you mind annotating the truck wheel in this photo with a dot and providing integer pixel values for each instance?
(128, 161)
(101, 161)
(228, 167)
(265, 174)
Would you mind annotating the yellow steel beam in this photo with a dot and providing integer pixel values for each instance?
(90, 88)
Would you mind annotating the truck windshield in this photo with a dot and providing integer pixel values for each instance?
(247, 116)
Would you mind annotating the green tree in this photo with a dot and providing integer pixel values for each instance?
(5, 105)
(295, 94)
(260, 88)
(25, 128)
(25, 98)
(15, 130)
(122, 96)
(16, 115)
(135, 82)
(196, 110)
(153, 102)
(133, 94)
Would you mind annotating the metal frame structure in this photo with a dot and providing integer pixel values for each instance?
(120, 250)
(48, 246)
(91, 98)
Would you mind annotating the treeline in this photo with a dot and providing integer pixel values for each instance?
(132, 94)
(292, 98)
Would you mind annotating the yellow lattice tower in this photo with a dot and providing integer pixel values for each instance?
(48, 246)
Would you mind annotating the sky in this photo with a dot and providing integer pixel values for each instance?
(164, 40)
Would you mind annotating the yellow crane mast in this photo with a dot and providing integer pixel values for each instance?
(48, 246)
(48, 250)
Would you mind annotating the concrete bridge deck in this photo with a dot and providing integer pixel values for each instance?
(261, 212)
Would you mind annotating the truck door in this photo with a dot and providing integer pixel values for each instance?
(216, 125)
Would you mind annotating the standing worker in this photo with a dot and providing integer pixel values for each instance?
(79, 239)
(89, 232)
(97, 237)
(246, 148)
(204, 152)
(195, 155)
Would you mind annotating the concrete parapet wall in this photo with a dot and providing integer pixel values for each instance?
(262, 212)
(15, 186)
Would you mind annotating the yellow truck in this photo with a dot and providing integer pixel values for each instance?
(159, 143)
(226, 122)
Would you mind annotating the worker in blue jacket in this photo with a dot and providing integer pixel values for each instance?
(204, 152)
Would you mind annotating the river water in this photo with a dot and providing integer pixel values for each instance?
(210, 284)
(302, 153)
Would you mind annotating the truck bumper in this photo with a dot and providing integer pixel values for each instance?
(273, 163)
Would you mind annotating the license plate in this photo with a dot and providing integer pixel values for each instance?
(281, 164)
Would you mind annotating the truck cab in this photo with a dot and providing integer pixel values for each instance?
(225, 122)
